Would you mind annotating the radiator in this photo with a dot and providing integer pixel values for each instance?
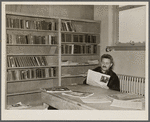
(132, 84)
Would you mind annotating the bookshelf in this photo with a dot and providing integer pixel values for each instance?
(79, 49)
(44, 52)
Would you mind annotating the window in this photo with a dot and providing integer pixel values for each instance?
(130, 27)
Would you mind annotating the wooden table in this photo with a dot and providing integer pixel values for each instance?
(64, 102)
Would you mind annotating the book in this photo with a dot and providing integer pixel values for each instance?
(62, 37)
(93, 39)
(97, 79)
(125, 96)
(68, 37)
(126, 104)
(12, 61)
(57, 89)
(78, 94)
(75, 38)
(80, 38)
(96, 100)
(73, 26)
(46, 72)
(52, 72)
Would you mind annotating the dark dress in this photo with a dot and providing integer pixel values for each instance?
(113, 83)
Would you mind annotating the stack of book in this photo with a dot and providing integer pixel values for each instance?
(30, 39)
(90, 38)
(23, 61)
(23, 23)
(78, 49)
(24, 74)
(68, 26)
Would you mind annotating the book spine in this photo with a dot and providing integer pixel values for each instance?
(10, 75)
(62, 49)
(37, 61)
(22, 60)
(12, 62)
(17, 72)
(10, 38)
(72, 49)
(44, 60)
(46, 39)
(7, 21)
(52, 72)
(50, 39)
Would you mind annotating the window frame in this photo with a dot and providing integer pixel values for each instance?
(116, 44)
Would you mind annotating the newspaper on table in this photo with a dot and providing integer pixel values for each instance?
(97, 79)
(78, 94)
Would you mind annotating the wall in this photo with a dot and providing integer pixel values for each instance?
(126, 62)
(69, 11)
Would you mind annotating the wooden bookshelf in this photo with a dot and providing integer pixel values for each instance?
(27, 90)
(30, 36)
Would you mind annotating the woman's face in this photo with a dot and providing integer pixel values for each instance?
(105, 64)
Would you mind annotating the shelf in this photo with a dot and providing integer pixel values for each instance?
(30, 15)
(19, 29)
(21, 93)
(78, 65)
(79, 43)
(71, 76)
(31, 45)
(79, 55)
(37, 79)
(30, 67)
(70, 32)
(50, 17)
(31, 55)
(82, 20)
(124, 48)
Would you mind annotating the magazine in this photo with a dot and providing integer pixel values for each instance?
(78, 94)
(57, 89)
(97, 79)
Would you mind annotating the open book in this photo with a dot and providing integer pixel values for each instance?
(97, 79)
(57, 89)
(78, 94)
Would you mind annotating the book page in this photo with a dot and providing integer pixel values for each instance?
(97, 79)
(126, 104)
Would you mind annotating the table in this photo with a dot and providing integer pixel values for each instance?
(63, 102)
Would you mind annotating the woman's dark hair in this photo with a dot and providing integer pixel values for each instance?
(109, 57)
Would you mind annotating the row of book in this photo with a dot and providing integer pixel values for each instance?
(78, 38)
(31, 39)
(68, 26)
(23, 61)
(23, 23)
(78, 49)
(14, 75)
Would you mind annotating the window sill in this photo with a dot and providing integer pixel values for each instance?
(124, 48)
